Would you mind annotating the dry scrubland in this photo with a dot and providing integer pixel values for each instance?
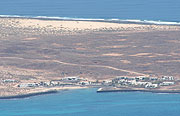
(36, 50)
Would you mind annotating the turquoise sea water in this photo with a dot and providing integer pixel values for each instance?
(151, 11)
(87, 102)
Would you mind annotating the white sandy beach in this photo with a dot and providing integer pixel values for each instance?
(73, 26)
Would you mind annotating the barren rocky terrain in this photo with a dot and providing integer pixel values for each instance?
(41, 51)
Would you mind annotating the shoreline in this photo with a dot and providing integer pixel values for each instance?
(33, 26)
(102, 90)
(54, 91)
(111, 20)
(37, 93)
(29, 94)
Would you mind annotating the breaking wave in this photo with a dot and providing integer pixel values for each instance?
(94, 19)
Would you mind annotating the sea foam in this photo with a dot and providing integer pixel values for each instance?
(94, 19)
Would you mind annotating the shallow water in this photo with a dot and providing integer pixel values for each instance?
(87, 102)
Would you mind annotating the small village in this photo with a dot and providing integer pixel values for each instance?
(118, 82)
(143, 82)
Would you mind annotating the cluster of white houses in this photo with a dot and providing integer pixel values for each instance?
(143, 82)
(9, 81)
(66, 81)
(120, 81)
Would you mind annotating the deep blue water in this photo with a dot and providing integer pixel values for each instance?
(87, 102)
(163, 10)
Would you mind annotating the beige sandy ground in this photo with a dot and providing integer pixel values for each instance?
(80, 25)
(24, 91)
(74, 26)
(49, 26)
(36, 90)
(58, 88)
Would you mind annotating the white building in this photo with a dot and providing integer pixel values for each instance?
(28, 85)
(71, 79)
(167, 78)
(133, 82)
(84, 83)
(141, 78)
(150, 85)
(107, 82)
(153, 78)
(167, 83)
(9, 81)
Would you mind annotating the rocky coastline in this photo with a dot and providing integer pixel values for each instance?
(29, 94)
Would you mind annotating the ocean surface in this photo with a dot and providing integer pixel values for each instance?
(140, 11)
(87, 102)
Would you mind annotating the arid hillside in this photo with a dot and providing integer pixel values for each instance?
(40, 49)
